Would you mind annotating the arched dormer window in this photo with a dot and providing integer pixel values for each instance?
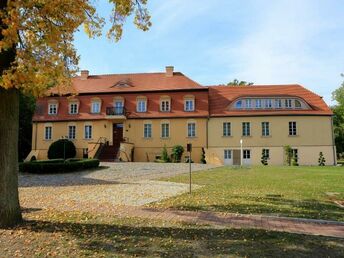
(238, 104)
(297, 104)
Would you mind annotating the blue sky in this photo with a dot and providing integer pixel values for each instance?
(215, 41)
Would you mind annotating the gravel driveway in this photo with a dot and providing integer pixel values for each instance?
(114, 184)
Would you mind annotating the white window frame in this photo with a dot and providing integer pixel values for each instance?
(248, 103)
(292, 128)
(48, 132)
(191, 127)
(165, 130)
(265, 129)
(268, 103)
(226, 129)
(147, 130)
(72, 110)
(189, 105)
(95, 104)
(52, 107)
(278, 103)
(246, 154)
(258, 103)
(246, 129)
(72, 132)
(288, 103)
(227, 154)
(141, 105)
(165, 105)
(88, 131)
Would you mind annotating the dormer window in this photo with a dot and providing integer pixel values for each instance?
(73, 108)
(189, 103)
(248, 103)
(258, 103)
(141, 104)
(95, 106)
(165, 104)
(278, 103)
(238, 104)
(52, 108)
(268, 103)
(288, 103)
(297, 104)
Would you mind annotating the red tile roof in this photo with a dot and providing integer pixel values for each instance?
(220, 97)
(117, 83)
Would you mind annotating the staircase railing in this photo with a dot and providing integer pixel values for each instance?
(101, 142)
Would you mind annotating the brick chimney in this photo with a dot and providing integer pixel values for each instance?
(84, 74)
(169, 71)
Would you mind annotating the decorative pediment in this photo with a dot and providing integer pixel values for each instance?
(125, 83)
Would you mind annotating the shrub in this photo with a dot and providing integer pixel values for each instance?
(164, 155)
(288, 152)
(264, 159)
(321, 160)
(203, 161)
(62, 149)
(177, 152)
(295, 161)
(46, 166)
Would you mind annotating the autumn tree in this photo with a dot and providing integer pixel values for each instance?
(236, 82)
(36, 53)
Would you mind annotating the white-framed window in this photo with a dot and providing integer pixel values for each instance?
(266, 153)
(268, 103)
(48, 133)
(88, 131)
(278, 103)
(165, 130)
(288, 103)
(258, 103)
(248, 103)
(73, 108)
(265, 128)
(292, 128)
(238, 104)
(52, 109)
(71, 132)
(141, 105)
(189, 105)
(297, 104)
(246, 130)
(147, 130)
(246, 154)
(191, 129)
(95, 107)
(227, 154)
(165, 105)
(226, 129)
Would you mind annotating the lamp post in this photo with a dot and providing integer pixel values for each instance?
(241, 153)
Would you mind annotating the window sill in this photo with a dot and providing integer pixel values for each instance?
(88, 139)
(189, 111)
(191, 137)
(293, 135)
(266, 136)
(141, 111)
(52, 114)
(165, 138)
(246, 136)
(169, 111)
(227, 136)
(147, 138)
(48, 140)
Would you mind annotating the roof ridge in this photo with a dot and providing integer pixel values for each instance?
(114, 74)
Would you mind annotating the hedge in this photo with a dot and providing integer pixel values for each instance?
(47, 166)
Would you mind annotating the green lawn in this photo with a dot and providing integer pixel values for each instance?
(306, 192)
(67, 234)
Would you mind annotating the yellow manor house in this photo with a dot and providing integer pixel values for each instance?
(131, 117)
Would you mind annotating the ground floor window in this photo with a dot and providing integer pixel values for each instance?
(191, 130)
(147, 130)
(246, 154)
(88, 131)
(47, 133)
(266, 153)
(165, 130)
(228, 154)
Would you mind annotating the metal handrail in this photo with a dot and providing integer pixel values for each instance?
(115, 111)
(97, 143)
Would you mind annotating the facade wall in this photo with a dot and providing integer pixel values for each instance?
(314, 134)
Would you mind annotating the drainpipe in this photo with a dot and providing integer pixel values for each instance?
(333, 144)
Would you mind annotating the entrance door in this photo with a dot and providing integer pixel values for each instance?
(117, 134)
(227, 157)
(236, 157)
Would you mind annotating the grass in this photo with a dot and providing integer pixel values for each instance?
(71, 234)
(306, 192)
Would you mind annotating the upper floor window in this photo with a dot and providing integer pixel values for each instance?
(288, 103)
(258, 103)
(297, 104)
(292, 128)
(165, 130)
(147, 130)
(73, 108)
(265, 128)
(52, 108)
(278, 103)
(165, 105)
(226, 129)
(95, 107)
(141, 105)
(246, 130)
(88, 131)
(238, 104)
(189, 104)
(268, 103)
(48, 133)
(248, 103)
(191, 129)
(71, 131)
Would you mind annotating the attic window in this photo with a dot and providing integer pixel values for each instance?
(123, 84)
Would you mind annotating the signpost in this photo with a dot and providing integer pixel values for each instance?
(189, 149)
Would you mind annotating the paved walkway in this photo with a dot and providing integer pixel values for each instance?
(273, 223)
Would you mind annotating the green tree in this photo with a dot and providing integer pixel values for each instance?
(236, 82)
(338, 118)
(37, 52)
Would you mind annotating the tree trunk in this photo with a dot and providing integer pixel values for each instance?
(10, 213)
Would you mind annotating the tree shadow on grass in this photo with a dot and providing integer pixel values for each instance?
(114, 240)
(275, 205)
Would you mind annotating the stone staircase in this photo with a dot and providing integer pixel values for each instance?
(109, 154)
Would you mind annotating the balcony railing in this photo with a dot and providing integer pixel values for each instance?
(115, 111)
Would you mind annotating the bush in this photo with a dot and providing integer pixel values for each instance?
(177, 152)
(203, 161)
(321, 160)
(62, 149)
(164, 155)
(46, 166)
(264, 158)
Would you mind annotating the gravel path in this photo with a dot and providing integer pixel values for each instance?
(115, 184)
